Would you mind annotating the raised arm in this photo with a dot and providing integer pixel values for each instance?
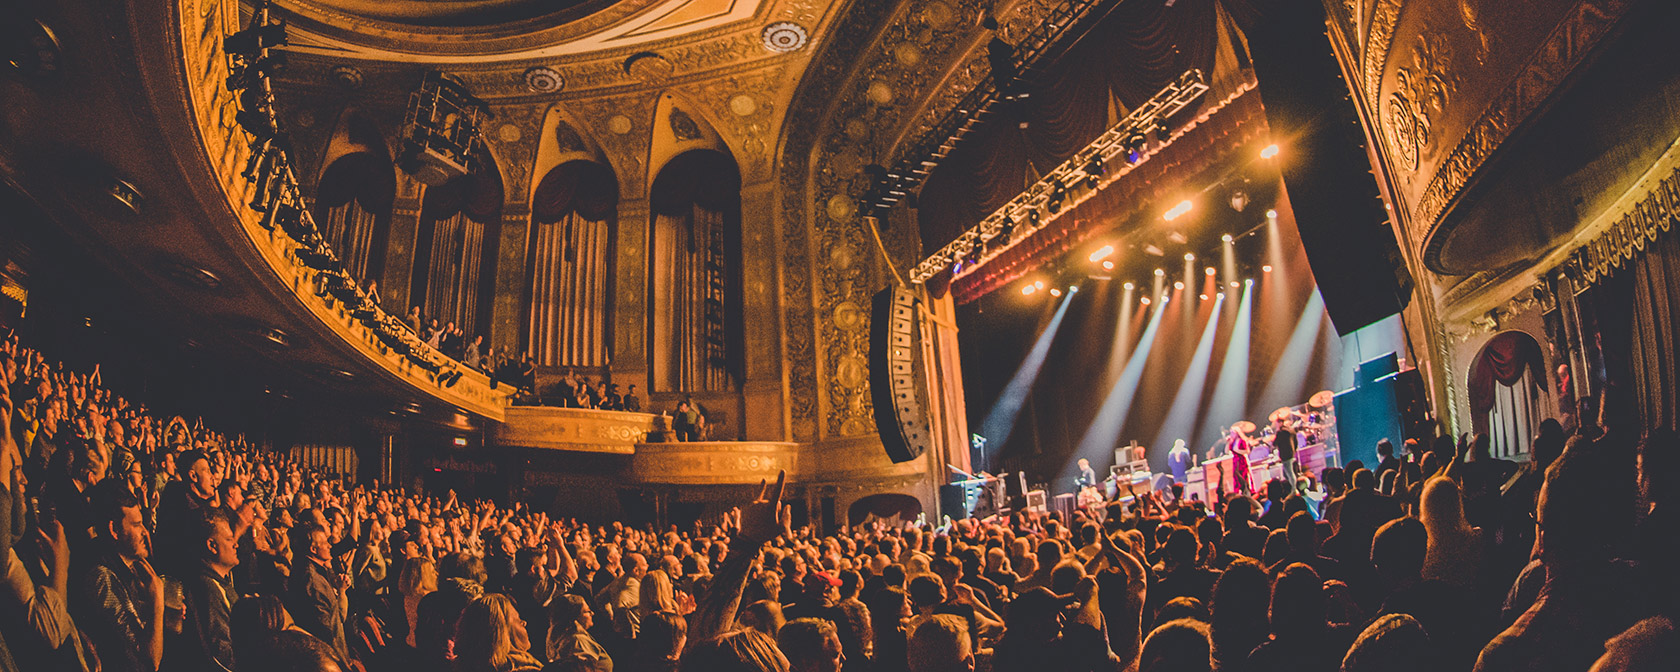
(760, 522)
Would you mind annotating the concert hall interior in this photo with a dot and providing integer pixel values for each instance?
(862, 335)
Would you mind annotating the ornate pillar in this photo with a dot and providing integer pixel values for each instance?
(399, 248)
(764, 416)
(629, 358)
(507, 323)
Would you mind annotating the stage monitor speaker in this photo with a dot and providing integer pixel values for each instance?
(1326, 170)
(897, 375)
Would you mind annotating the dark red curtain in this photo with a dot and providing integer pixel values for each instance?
(479, 195)
(586, 187)
(1503, 361)
(364, 176)
(700, 177)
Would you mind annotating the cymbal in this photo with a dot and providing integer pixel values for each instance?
(1244, 426)
(1321, 399)
(1281, 414)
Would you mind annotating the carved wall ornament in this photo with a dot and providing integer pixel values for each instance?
(649, 68)
(1385, 16)
(543, 79)
(1422, 90)
(619, 124)
(1557, 56)
(567, 138)
(743, 105)
(784, 37)
(684, 126)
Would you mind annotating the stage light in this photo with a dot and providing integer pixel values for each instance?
(1177, 238)
(1189, 256)
(1248, 282)
(1227, 238)
(1108, 265)
(1055, 291)
(1204, 297)
(1234, 284)
(1129, 286)
(1028, 290)
(1271, 214)
(1145, 300)
(1178, 285)
(1266, 269)
(1154, 250)
(1210, 270)
(1159, 272)
(1038, 284)
(1102, 253)
(1269, 152)
(1073, 289)
(1239, 200)
(1178, 210)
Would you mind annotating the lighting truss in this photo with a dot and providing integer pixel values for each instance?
(1016, 216)
(1065, 24)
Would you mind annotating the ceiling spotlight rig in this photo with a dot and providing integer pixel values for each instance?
(1088, 167)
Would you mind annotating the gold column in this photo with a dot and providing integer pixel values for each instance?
(764, 416)
(508, 302)
(629, 360)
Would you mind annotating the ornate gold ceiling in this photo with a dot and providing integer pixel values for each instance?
(485, 31)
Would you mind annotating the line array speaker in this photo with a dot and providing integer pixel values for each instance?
(897, 375)
(1326, 169)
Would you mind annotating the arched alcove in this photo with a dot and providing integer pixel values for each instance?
(353, 196)
(455, 249)
(694, 280)
(570, 264)
(1507, 383)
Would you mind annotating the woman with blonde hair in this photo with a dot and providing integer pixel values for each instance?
(491, 637)
(658, 596)
(419, 578)
(1455, 550)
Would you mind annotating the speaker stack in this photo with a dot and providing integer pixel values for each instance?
(1327, 175)
(897, 374)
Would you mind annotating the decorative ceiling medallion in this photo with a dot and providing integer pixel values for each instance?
(543, 79)
(785, 36)
(743, 105)
(347, 76)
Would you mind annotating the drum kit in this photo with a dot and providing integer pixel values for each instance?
(1310, 421)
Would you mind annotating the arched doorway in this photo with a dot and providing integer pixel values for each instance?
(1507, 384)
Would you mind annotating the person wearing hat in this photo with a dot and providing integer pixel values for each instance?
(821, 599)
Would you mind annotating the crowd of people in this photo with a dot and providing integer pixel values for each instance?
(134, 542)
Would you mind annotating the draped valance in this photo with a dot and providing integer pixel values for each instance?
(588, 188)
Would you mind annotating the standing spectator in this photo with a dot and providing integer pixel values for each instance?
(811, 645)
(491, 637)
(686, 422)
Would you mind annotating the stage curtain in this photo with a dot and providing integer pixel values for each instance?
(1126, 59)
(1503, 361)
(688, 336)
(352, 201)
(1655, 322)
(571, 249)
(452, 285)
(569, 292)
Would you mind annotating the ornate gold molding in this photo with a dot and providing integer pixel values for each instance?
(1562, 50)
(572, 429)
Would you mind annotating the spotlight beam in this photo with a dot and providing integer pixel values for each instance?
(1181, 416)
(1289, 377)
(1104, 433)
(1230, 392)
(1000, 420)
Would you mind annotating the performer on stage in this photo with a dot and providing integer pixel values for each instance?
(1178, 461)
(1087, 476)
(1283, 444)
(1237, 444)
